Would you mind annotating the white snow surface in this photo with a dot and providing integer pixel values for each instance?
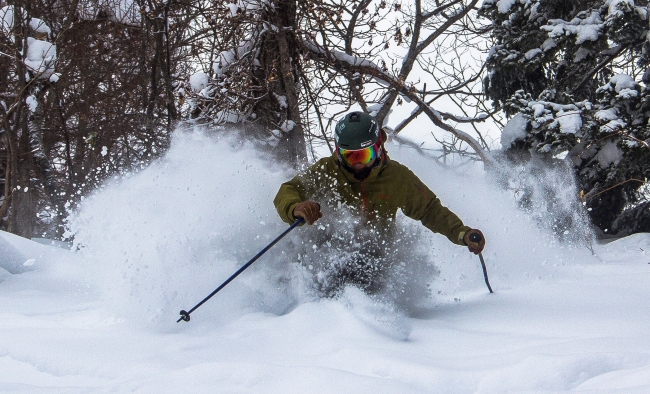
(102, 318)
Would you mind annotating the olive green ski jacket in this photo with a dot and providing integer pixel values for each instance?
(389, 187)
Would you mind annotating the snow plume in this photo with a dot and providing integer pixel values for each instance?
(517, 239)
(339, 251)
(160, 240)
(165, 237)
(547, 191)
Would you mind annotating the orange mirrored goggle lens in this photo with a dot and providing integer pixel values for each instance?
(359, 156)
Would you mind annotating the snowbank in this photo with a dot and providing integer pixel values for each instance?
(102, 318)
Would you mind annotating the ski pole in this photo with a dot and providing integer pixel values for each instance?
(477, 238)
(185, 315)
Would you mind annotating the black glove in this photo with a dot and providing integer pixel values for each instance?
(474, 240)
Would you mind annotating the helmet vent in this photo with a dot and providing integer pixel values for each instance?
(354, 117)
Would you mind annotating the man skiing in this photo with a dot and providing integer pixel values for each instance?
(360, 178)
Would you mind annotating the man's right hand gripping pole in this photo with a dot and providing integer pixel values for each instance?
(308, 210)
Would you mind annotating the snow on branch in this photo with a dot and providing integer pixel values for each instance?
(225, 59)
(585, 29)
(355, 64)
(41, 58)
(7, 22)
(464, 119)
(39, 26)
(246, 6)
(341, 56)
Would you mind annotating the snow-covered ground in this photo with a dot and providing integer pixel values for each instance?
(103, 318)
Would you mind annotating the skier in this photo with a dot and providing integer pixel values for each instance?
(361, 178)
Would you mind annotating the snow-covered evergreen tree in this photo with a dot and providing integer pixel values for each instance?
(573, 75)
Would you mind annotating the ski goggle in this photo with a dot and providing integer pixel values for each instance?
(361, 156)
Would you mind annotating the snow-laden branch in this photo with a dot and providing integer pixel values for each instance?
(439, 10)
(585, 29)
(340, 56)
(464, 119)
(342, 61)
(41, 58)
(7, 22)
(418, 45)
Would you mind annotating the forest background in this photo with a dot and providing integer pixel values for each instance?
(549, 95)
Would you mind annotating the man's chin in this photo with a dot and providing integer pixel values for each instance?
(359, 167)
(361, 173)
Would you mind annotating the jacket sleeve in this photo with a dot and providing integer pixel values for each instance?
(423, 205)
(287, 198)
(301, 188)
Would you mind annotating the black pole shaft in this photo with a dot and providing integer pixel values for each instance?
(185, 315)
(485, 275)
(477, 237)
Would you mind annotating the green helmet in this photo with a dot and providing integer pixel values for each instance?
(357, 130)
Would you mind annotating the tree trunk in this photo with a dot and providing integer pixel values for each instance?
(22, 212)
(18, 207)
(281, 57)
(44, 165)
(296, 136)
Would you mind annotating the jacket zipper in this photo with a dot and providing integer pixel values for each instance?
(363, 197)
